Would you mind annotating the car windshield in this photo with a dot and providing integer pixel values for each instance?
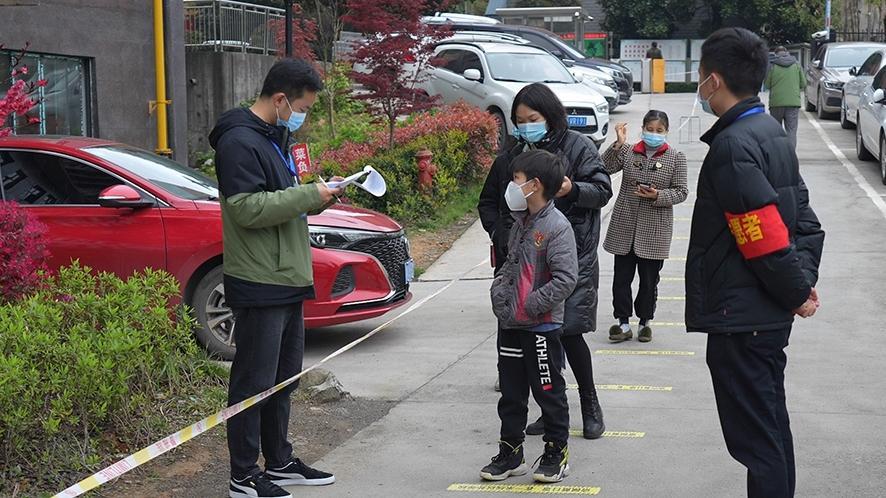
(167, 174)
(571, 51)
(528, 68)
(847, 56)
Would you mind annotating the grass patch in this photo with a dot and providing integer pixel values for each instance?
(462, 203)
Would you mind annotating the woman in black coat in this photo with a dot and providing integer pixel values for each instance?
(541, 124)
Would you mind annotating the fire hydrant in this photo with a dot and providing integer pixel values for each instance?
(426, 170)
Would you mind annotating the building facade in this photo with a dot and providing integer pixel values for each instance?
(98, 59)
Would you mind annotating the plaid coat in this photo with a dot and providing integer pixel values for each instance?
(642, 224)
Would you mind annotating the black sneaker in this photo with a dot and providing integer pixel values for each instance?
(508, 462)
(296, 473)
(554, 464)
(257, 486)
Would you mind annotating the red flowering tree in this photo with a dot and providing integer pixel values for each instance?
(19, 99)
(396, 49)
(22, 252)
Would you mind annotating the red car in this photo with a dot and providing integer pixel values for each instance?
(121, 209)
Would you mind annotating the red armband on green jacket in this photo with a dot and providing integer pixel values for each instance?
(759, 232)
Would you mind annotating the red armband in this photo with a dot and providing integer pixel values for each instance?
(759, 232)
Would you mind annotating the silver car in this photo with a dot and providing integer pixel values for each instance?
(829, 71)
(870, 134)
(489, 75)
(859, 81)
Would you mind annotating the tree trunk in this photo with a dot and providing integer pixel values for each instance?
(392, 121)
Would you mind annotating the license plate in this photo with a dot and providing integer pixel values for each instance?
(409, 272)
(578, 121)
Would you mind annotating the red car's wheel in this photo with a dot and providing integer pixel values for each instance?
(216, 321)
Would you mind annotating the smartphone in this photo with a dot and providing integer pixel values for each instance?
(644, 185)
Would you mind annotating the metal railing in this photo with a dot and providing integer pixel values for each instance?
(223, 25)
(861, 36)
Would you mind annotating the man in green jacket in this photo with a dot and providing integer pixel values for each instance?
(785, 81)
(268, 272)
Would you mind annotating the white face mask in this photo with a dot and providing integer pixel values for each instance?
(515, 198)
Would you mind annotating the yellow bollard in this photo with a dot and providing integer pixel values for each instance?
(657, 70)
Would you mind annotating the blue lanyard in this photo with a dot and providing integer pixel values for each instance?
(290, 164)
(750, 112)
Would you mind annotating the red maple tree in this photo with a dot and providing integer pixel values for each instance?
(396, 49)
(304, 33)
(19, 99)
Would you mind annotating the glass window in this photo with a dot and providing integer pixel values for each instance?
(470, 60)
(449, 60)
(871, 66)
(35, 178)
(880, 79)
(528, 68)
(63, 107)
(178, 180)
(846, 57)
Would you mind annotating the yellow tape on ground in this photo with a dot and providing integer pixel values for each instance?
(611, 434)
(620, 387)
(642, 352)
(536, 489)
(151, 452)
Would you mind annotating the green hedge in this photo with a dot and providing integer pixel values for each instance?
(91, 366)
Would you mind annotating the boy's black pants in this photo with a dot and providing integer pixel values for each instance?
(270, 348)
(531, 361)
(748, 374)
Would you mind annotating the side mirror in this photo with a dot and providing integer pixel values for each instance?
(472, 75)
(122, 196)
(578, 77)
(853, 72)
(879, 96)
(818, 64)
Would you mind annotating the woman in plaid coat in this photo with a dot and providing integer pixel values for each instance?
(639, 235)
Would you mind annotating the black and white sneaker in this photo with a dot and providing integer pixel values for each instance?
(257, 486)
(509, 462)
(554, 464)
(296, 473)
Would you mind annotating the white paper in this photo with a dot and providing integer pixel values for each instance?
(347, 181)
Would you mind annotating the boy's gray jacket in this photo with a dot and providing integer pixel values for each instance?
(540, 273)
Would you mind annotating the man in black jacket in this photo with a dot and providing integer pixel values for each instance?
(753, 259)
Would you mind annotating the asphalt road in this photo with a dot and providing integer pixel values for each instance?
(438, 363)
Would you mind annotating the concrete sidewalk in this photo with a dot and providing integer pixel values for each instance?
(439, 363)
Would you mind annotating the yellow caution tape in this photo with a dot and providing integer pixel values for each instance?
(151, 452)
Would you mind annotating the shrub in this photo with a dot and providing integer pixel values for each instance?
(22, 252)
(462, 138)
(91, 365)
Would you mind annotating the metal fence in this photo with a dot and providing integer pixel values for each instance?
(860, 36)
(223, 25)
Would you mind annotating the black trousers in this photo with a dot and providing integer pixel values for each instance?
(748, 374)
(270, 348)
(650, 275)
(529, 361)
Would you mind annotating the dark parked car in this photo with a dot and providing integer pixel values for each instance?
(829, 71)
(119, 209)
(549, 41)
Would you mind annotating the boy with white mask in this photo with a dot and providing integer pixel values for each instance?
(528, 298)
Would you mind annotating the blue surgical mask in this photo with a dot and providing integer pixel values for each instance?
(531, 132)
(705, 102)
(296, 119)
(653, 140)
